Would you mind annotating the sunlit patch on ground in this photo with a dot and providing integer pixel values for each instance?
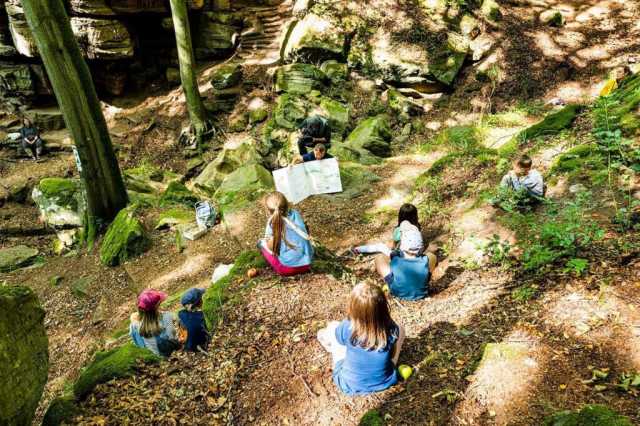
(504, 380)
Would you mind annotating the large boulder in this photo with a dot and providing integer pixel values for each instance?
(314, 39)
(299, 79)
(290, 111)
(226, 162)
(226, 76)
(102, 38)
(410, 64)
(23, 40)
(244, 185)
(60, 201)
(336, 113)
(372, 135)
(125, 238)
(17, 257)
(215, 37)
(24, 356)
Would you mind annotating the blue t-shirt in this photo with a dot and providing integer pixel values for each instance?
(310, 156)
(301, 251)
(364, 371)
(410, 276)
(193, 322)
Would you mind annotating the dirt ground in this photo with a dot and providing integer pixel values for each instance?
(265, 365)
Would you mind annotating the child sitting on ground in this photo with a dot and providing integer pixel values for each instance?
(407, 271)
(192, 323)
(365, 347)
(286, 245)
(524, 179)
(407, 212)
(151, 328)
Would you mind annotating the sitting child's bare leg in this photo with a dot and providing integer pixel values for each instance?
(383, 265)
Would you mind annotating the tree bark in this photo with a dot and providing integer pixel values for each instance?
(76, 95)
(197, 113)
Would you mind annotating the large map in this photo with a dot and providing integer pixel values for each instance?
(311, 178)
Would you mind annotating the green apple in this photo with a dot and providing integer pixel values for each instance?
(405, 371)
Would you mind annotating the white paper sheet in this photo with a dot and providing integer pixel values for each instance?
(311, 178)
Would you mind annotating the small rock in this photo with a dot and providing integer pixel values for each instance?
(80, 287)
(552, 17)
(55, 280)
(100, 313)
(17, 257)
(578, 187)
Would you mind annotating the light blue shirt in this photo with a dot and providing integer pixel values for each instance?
(299, 252)
(162, 344)
(532, 182)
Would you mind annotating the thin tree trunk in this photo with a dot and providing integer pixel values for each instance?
(197, 113)
(76, 95)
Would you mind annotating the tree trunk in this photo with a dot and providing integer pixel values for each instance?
(197, 113)
(76, 95)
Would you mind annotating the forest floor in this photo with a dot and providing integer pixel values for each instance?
(265, 365)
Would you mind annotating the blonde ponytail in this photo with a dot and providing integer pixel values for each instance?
(278, 205)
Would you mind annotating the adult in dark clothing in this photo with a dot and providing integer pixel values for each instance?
(31, 141)
(314, 130)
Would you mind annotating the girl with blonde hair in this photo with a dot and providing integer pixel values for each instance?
(151, 328)
(365, 347)
(286, 245)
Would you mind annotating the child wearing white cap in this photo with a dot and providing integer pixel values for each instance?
(407, 271)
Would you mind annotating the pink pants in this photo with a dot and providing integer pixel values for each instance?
(279, 268)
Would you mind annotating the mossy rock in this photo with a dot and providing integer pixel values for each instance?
(246, 184)
(336, 71)
(226, 76)
(344, 152)
(115, 363)
(589, 415)
(290, 111)
(24, 356)
(299, 79)
(371, 418)
(552, 124)
(355, 179)
(336, 113)
(491, 10)
(61, 410)
(125, 238)
(174, 216)
(372, 134)
(446, 61)
(229, 160)
(178, 194)
(258, 115)
(314, 39)
(142, 199)
(214, 297)
(60, 201)
(579, 158)
(17, 257)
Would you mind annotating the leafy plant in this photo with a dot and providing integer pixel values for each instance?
(576, 265)
(498, 251)
(629, 382)
(524, 293)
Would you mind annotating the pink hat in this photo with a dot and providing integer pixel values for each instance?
(149, 299)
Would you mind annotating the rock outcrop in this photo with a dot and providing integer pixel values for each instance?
(314, 39)
(24, 355)
(125, 238)
(60, 201)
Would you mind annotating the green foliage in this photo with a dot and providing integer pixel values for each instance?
(524, 293)
(371, 418)
(498, 251)
(558, 234)
(629, 382)
(215, 297)
(116, 363)
(589, 415)
(576, 266)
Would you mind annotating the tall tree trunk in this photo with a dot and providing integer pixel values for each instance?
(197, 113)
(76, 95)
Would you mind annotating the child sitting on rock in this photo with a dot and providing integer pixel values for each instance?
(191, 321)
(151, 328)
(524, 179)
(407, 212)
(365, 347)
(286, 245)
(407, 271)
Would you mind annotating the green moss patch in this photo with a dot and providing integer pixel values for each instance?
(174, 216)
(177, 193)
(125, 238)
(371, 418)
(24, 359)
(61, 410)
(116, 363)
(243, 186)
(214, 297)
(589, 415)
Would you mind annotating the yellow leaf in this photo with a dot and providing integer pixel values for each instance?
(609, 87)
(562, 387)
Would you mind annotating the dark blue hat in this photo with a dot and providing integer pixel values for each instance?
(193, 296)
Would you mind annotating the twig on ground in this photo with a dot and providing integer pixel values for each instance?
(304, 382)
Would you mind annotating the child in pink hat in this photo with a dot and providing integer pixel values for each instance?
(152, 329)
